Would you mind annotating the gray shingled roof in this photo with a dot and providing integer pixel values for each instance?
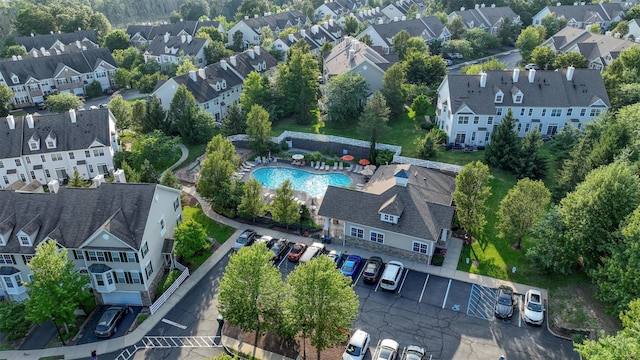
(44, 67)
(488, 16)
(47, 41)
(549, 89)
(590, 45)
(73, 214)
(90, 125)
(585, 12)
(149, 32)
(158, 45)
(245, 64)
(415, 27)
(424, 204)
(273, 21)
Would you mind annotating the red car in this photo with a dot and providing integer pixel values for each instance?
(296, 251)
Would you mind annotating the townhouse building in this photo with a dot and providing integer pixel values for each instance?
(45, 147)
(168, 49)
(487, 18)
(251, 27)
(117, 233)
(469, 107)
(143, 34)
(428, 28)
(315, 37)
(32, 78)
(59, 42)
(582, 15)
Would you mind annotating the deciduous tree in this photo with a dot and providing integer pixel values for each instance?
(544, 57)
(122, 111)
(57, 287)
(259, 129)
(475, 69)
(185, 67)
(5, 99)
(116, 39)
(255, 90)
(471, 194)
(346, 94)
(392, 90)
(284, 209)
(298, 82)
(251, 290)
(13, 321)
(147, 173)
(63, 102)
(190, 239)
(374, 118)
(528, 40)
(169, 179)
(185, 117)
(252, 204)
(521, 208)
(399, 42)
(574, 59)
(425, 70)
(194, 9)
(323, 302)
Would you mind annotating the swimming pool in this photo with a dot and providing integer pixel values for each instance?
(312, 184)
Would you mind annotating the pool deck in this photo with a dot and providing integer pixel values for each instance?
(312, 203)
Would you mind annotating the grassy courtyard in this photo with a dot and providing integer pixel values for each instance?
(220, 232)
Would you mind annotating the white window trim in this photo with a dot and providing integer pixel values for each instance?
(372, 232)
(356, 228)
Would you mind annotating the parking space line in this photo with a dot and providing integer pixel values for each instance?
(359, 275)
(173, 323)
(406, 272)
(284, 257)
(424, 287)
(378, 284)
(446, 294)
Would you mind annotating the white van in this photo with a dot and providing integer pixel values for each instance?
(312, 251)
(391, 275)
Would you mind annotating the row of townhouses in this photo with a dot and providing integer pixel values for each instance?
(33, 77)
(218, 86)
(119, 234)
(142, 35)
(169, 49)
(45, 147)
(58, 42)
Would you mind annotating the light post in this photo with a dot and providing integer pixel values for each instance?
(53, 318)
(304, 341)
(300, 220)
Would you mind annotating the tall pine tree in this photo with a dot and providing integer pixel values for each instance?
(505, 145)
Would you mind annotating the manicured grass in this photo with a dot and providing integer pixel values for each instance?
(219, 232)
(194, 152)
(167, 281)
(131, 101)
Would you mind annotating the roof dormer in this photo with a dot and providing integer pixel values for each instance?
(224, 84)
(29, 232)
(391, 210)
(6, 228)
(51, 141)
(517, 95)
(34, 142)
(499, 97)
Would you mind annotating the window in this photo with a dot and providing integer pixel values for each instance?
(461, 138)
(99, 279)
(43, 158)
(33, 174)
(476, 119)
(583, 112)
(33, 145)
(8, 281)
(595, 112)
(163, 228)
(56, 157)
(120, 278)
(27, 258)
(46, 172)
(473, 136)
(5, 179)
(487, 136)
(176, 203)
(490, 120)
(50, 144)
(357, 232)
(420, 247)
(376, 237)
(90, 168)
(463, 120)
(1, 165)
(96, 256)
(148, 269)
(518, 127)
(24, 240)
(7, 259)
(98, 152)
(144, 249)
(552, 129)
(544, 112)
(87, 153)
(499, 98)
(18, 163)
(109, 278)
(388, 218)
(522, 112)
(78, 255)
(115, 256)
(498, 111)
(132, 257)
(136, 278)
(28, 160)
(530, 111)
(569, 111)
(518, 99)
(556, 112)
(526, 127)
(72, 155)
(206, 106)
(178, 220)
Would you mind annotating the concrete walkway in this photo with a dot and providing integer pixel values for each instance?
(183, 157)
(83, 351)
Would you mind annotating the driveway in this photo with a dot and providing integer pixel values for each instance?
(89, 335)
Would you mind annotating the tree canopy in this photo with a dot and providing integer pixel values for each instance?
(63, 102)
(190, 239)
(346, 94)
(471, 194)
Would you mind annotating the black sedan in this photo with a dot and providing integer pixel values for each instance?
(109, 321)
(372, 270)
(505, 302)
(280, 249)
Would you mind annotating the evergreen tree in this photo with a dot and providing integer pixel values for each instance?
(155, 117)
(234, 123)
(505, 145)
(76, 180)
(530, 162)
(169, 179)
(147, 173)
(138, 114)
(298, 82)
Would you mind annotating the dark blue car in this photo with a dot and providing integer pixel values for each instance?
(351, 266)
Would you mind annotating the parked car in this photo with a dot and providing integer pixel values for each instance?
(109, 321)
(533, 307)
(387, 350)
(413, 352)
(505, 302)
(280, 249)
(372, 270)
(391, 276)
(337, 257)
(531, 67)
(296, 251)
(267, 240)
(351, 265)
(357, 346)
(454, 55)
(41, 106)
(245, 239)
(312, 252)
(449, 62)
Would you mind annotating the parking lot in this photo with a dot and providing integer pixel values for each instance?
(451, 319)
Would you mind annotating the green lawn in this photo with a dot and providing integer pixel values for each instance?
(131, 101)
(218, 231)
(194, 152)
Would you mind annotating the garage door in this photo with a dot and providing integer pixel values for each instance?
(122, 298)
(78, 91)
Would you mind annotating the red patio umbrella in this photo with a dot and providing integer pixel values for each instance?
(347, 157)
(364, 162)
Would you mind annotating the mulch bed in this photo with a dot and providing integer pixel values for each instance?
(291, 349)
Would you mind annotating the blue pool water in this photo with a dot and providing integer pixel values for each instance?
(312, 184)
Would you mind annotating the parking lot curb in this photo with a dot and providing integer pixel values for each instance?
(245, 348)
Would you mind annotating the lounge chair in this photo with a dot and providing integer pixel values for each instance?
(275, 159)
(348, 168)
(340, 166)
(312, 164)
(248, 164)
(335, 166)
(327, 167)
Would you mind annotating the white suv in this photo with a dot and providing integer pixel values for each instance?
(357, 346)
